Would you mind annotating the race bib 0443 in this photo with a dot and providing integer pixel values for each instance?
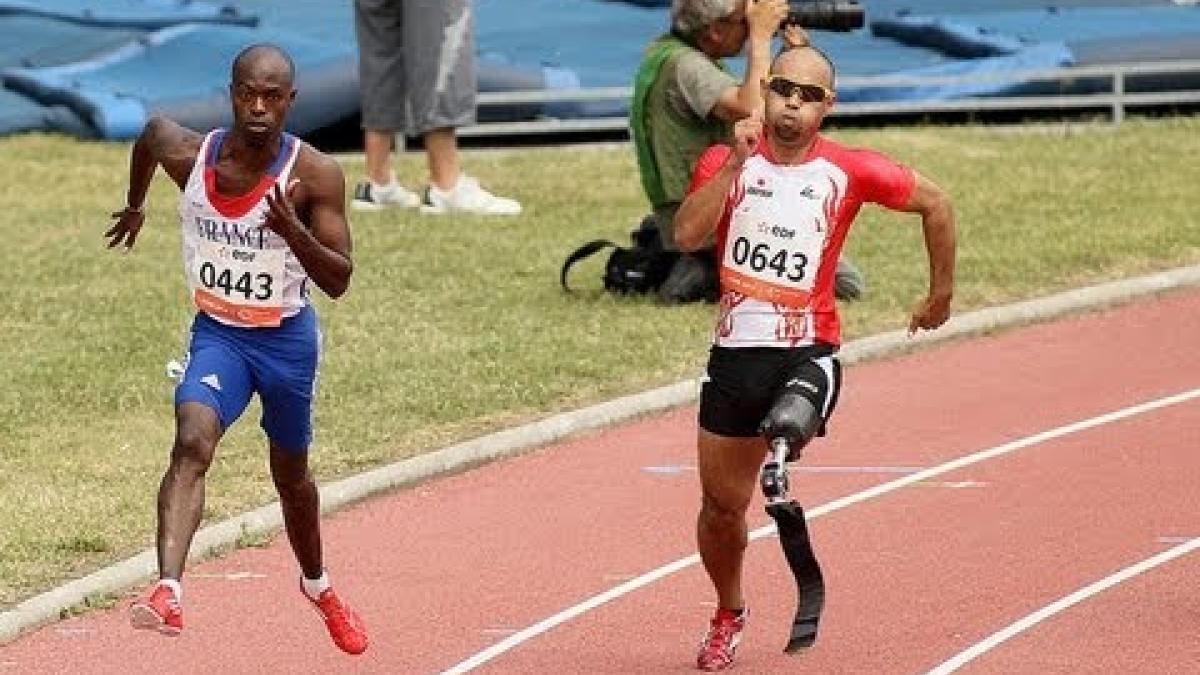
(238, 284)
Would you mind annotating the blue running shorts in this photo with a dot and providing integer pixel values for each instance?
(227, 364)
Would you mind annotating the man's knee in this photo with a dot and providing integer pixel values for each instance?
(196, 437)
(723, 512)
(793, 418)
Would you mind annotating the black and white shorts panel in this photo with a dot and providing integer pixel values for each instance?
(741, 385)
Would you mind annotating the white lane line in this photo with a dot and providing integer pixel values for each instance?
(669, 469)
(650, 577)
(954, 484)
(857, 469)
(1050, 610)
(570, 613)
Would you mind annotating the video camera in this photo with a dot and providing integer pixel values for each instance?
(838, 15)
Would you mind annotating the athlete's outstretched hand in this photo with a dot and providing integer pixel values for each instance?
(125, 231)
(747, 133)
(931, 313)
(282, 216)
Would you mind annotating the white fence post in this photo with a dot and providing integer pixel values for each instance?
(1118, 106)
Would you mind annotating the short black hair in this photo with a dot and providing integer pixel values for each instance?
(261, 49)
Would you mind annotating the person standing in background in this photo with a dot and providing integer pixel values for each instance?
(417, 74)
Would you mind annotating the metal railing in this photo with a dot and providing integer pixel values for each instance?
(1115, 97)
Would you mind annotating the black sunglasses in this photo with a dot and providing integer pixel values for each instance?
(809, 93)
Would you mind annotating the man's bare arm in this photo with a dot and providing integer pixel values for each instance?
(323, 246)
(700, 212)
(937, 222)
(762, 19)
(164, 142)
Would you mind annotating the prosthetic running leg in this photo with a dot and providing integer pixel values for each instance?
(790, 424)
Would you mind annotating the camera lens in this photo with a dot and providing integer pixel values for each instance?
(835, 15)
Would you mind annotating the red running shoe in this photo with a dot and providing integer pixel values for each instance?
(345, 626)
(160, 611)
(724, 634)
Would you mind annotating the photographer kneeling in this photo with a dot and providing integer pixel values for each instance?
(685, 100)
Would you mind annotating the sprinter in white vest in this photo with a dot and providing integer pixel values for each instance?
(263, 215)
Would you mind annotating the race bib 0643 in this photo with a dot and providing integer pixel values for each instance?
(770, 262)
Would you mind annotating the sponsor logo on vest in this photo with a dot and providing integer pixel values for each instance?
(760, 188)
(778, 231)
(232, 233)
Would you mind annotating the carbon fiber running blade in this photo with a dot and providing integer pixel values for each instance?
(810, 584)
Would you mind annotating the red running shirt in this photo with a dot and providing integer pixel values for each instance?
(781, 233)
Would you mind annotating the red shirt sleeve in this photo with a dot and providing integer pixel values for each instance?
(708, 165)
(883, 180)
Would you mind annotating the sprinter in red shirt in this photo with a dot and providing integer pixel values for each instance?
(780, 202)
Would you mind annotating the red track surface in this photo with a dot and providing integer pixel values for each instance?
(914, 576)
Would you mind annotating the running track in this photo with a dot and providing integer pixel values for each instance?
(918, 574)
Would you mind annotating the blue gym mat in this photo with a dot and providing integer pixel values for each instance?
(144, 14)
(100, 67)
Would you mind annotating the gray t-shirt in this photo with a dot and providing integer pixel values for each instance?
(679, 117)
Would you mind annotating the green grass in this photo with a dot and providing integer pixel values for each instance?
(456, 326)
(91, 602)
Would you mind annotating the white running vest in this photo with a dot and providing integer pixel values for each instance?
(776, 245)
(239, 271)
(781, 233)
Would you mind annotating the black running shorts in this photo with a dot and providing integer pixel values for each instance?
(743, 383)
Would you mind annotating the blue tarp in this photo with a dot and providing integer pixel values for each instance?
(33, 42)
(148, 15)
(160, 73)
(1034, 39)
(113, 73)
(144, 14)
(107, 64)
(19, 113)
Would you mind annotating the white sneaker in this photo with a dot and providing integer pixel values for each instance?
(468, 196)
(369, 196)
